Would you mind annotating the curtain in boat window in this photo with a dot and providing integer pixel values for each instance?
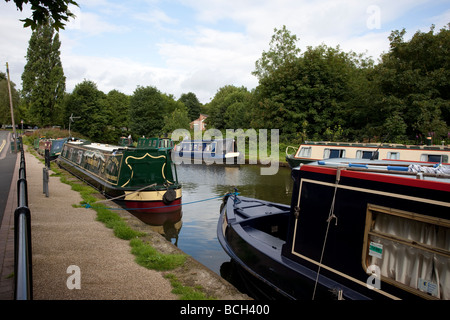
(394, 155)
(333, 153)
(433, 158)
(413, 253)
(361, 154)
(305, 152)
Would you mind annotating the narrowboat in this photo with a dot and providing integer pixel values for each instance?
(53, 145)
(143, 179)
(315, 151)
(218, 151)
(355, 230)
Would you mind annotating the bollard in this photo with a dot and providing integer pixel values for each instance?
(45, 181)
(47, 158)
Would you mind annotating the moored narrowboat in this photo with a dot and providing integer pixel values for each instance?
(355, 230)
(53, 145)
(142, 179)
(311, 151)
(215, 151)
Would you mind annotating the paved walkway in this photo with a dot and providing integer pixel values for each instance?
(68, 242)
(67, 239)
(7, 241)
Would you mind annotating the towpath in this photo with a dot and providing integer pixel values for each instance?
(69, 242)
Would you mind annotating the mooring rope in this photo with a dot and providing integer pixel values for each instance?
(127, 194)
(87, 205)
(331, 215)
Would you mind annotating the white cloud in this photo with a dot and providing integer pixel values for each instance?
(440, 20)
(156, 17)
(90, 24)
(14, 40)
(123, 44)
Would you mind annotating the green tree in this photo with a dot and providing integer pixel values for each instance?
(395, 127)
(361, 116)
(89, 107)
(414, 80)
(43, 10)
(43, 80)
(5, 108)
(147, 111)
(283, 50)
(118, 105)
(229, 109)
(307, 96)
(178, 119)
(192, 104)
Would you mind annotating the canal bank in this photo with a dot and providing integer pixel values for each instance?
(70, 246)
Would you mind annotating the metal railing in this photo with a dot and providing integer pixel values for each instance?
(23, 289)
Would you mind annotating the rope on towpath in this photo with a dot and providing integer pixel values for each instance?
(87, 205)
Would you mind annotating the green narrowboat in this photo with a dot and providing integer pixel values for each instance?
(143, 179)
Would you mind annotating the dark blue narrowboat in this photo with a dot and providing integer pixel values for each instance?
(214, 151)
(53, 145)
(369, 230)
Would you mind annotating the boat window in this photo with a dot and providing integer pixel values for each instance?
(412, 251)
(305, 152)
(174, 173)
(333, 153)
(186, 146)
(434, 158)
(229, 146)
(207, 147)
(361, 154)
(393, 155)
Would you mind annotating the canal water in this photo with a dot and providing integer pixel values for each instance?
(203, 188)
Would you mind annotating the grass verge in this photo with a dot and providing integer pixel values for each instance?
(184, 292)
(144, 253)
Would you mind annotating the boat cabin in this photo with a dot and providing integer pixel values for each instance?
(314, 151)
(53, 145)
(372, 225)
(355, 230)
(159, 143)
(218, 151)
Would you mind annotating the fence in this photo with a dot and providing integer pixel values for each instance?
(22, 239)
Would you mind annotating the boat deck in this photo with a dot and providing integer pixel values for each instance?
(272, 241)
(250, 208)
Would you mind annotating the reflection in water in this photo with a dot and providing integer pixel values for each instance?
(169, 229)
(198, 236)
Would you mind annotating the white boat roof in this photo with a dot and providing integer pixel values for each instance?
(377, 145)
(103, 147)
(98, 146)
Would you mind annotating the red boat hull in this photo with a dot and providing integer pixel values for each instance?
(155, 212)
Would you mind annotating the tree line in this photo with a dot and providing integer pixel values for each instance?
(322, 93)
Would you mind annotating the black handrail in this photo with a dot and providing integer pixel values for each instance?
(22, 239)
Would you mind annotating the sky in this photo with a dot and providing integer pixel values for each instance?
(200, 46)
